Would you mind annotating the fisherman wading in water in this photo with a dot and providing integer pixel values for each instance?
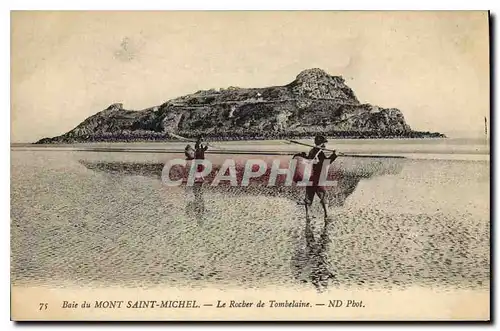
(189, 152)
(318, 158)
(199, 154)
(200, 149)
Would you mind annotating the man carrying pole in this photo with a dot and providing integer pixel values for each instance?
(199, 154)
(318, 158)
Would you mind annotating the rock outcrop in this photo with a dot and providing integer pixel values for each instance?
(315, 102)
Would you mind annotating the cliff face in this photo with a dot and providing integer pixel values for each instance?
(314, 102)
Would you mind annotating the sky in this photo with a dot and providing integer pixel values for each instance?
(67, 66)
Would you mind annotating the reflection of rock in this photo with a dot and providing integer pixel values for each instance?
(346, 173)
(345, 187)
(126, 168)
(311, 262)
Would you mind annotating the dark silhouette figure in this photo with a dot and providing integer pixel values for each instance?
(199, 154)
(312, 261)
(189, 152)
(195, 208)
(318, 159)
(200, 149)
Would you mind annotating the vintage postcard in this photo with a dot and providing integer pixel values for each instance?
(250, 166)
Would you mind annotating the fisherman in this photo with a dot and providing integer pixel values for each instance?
(189, 152)
(200, 149)
(199, 154)
(318, 158)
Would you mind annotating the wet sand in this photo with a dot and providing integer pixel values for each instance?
(427, 226)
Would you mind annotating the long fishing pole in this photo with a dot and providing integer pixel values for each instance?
(309, 145)
(342, 154)
(192, 140)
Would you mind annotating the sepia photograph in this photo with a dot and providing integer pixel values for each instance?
(250, 166)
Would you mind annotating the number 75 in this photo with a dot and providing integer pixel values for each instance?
(43, 305)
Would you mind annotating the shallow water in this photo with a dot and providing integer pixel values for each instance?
(427, 224)
(451, 148)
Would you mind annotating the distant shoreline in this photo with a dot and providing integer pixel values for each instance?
(250, 136)
(452, 148)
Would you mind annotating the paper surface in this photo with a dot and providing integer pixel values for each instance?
(97, 234)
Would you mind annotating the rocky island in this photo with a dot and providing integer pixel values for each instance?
(314, 103)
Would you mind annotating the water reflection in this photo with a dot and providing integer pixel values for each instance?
(311, 263)
(346, 175)
(195, 203)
